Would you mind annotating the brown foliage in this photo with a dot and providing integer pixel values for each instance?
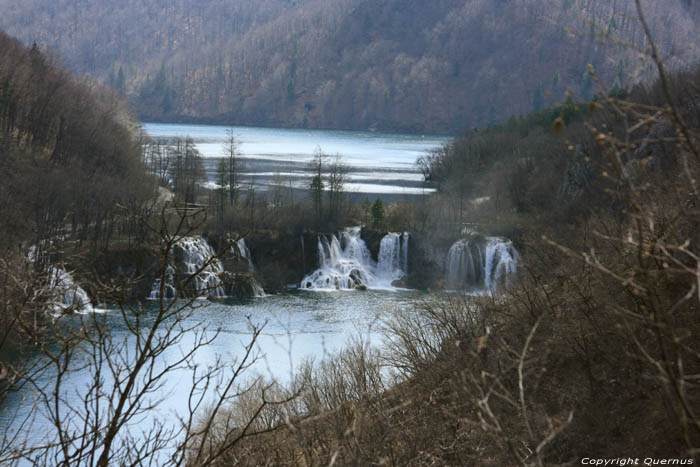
(437, 67)
(69, 157)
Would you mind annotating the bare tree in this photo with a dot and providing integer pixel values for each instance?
(231, 151)
(127, 381)
(317, 184)
(337, 174)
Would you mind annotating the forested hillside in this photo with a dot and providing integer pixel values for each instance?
(69, 158)
(438, 66)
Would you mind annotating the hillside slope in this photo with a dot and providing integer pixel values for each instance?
(408, 65)
(70, 160)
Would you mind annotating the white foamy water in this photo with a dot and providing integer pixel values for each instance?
(198, 257)
(345, 262)
(478, 264)
(67, 295)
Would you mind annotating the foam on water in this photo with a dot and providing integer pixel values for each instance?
(199, 261)
(66, 294)
(346, 263)
(478, 264)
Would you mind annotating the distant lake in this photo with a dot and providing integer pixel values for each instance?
(378, 163)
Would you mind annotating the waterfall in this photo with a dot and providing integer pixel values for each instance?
(480, 264)
(195, 253)
(464, 265)
(346, 263)
(67, 295)
(404, 251)
(253, 286)
(245, 253)
(255, 289)
(393, 257)
(192, 254)
(169, 288)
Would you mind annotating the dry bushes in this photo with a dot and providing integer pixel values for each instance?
(595, 354)
(562, 367)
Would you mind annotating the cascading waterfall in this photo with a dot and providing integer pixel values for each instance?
(195, 252)
(245, 254)
(168, 288)
(341, 268)
(501, 263)
(464, 265)
(67, 295)
(480, 264)
(252, 285)
(393, 257)
(347, 263)
(257, 290)
(404, 251)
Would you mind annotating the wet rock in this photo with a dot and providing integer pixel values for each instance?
(356, 277)
(373, 240)
(246, 286)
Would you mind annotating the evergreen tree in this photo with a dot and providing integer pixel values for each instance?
(366, 210)
(121, 80)
(37, 58)
(538, 99)
(378, 219)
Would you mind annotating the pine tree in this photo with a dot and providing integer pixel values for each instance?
(121, 80)
(366, 210)
(378, 214)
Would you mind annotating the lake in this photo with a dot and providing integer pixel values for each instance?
(297, 326)
(378, 163)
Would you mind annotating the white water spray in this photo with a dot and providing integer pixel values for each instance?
(197, 255)
(501, 263)
(480, 264)
(168, 289)
(347, 263)
(67, 295)
(393, 257)
(245, 253)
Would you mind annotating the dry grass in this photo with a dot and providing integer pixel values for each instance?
(595, 353)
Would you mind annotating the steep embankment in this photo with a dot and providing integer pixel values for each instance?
(438, 66)
(73, 182)
(69, 152)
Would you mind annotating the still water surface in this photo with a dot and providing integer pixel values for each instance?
(297, 326)
(382, 163)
